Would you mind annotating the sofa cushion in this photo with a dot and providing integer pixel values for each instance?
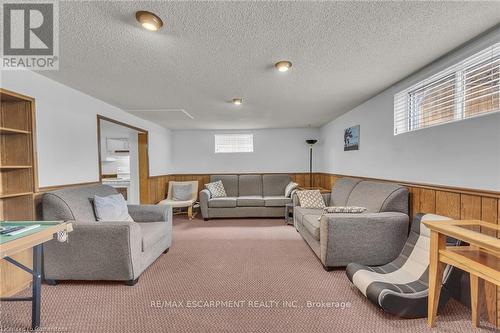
(250, 201)
(311, 223)
(226, 202)
(300, 212)
(342, 189)
(250, 185)
(373, 195)
(152, 233)
(230, 183)
(276, 201)
(275, 184)
(111, 208)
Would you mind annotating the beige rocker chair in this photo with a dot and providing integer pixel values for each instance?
(182, 204)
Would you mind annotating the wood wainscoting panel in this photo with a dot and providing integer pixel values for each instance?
(470, 207)
(427, 201)
(448, 204)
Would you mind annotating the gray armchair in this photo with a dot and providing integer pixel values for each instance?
(104, 250)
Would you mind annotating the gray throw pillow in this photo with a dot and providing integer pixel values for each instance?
(182, 192)
(111, 208)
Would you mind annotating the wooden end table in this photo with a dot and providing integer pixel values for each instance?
(481, 259)
(34, 239)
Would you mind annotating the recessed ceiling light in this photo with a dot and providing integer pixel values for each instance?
(149, 20)
(283, 66)
(237, 101)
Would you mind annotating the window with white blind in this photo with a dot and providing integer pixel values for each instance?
(233, 143)
(467, 89)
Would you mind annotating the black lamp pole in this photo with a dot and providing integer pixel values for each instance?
(311, 143)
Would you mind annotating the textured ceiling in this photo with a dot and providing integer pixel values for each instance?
(209, 52)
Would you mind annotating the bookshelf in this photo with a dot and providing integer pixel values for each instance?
(18, 181)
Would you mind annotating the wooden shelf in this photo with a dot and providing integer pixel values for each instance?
(15, 167)
(481, 262)
(11, 195)
(6, 130)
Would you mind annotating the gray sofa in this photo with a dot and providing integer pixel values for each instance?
(373, 238)
(247, 196)
(103, 250)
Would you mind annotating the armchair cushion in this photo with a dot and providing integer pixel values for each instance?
(182, 192)
(111, 208)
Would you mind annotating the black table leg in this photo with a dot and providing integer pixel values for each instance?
(37, 286)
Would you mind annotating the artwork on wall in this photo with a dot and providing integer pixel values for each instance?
(351, 138)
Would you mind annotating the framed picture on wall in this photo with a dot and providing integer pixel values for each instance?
(351, 138)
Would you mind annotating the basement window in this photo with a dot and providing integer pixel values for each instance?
(468, 89)
(233, 143)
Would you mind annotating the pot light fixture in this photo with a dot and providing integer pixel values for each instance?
(283, 66)
(237, 101)
(149, 20)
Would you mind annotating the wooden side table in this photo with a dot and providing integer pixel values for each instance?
(289, 213)
(481, 259)
(32, 239)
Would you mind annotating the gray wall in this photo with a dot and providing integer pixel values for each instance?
(275, 150)
(463, 154)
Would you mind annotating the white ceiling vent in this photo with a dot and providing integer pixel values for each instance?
(152, 113)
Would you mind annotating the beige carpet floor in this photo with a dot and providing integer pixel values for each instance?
(252, 275)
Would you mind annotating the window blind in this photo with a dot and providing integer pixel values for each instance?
(464, 90)
(233, 143)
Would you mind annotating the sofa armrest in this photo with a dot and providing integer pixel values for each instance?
(326, 198)
(376, 237)
(96, 251)
(150, 213)
(204, 197)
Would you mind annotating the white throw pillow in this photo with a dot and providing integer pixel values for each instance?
(216, 189)
(111, 208)
(182, 192)
(289, 189)
(345, 209)
(311, 199)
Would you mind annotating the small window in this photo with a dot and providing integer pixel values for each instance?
(467, 89)
(233, 143)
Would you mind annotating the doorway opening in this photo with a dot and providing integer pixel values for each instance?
(121, 157)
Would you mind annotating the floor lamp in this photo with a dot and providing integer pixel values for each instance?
(311, 143)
